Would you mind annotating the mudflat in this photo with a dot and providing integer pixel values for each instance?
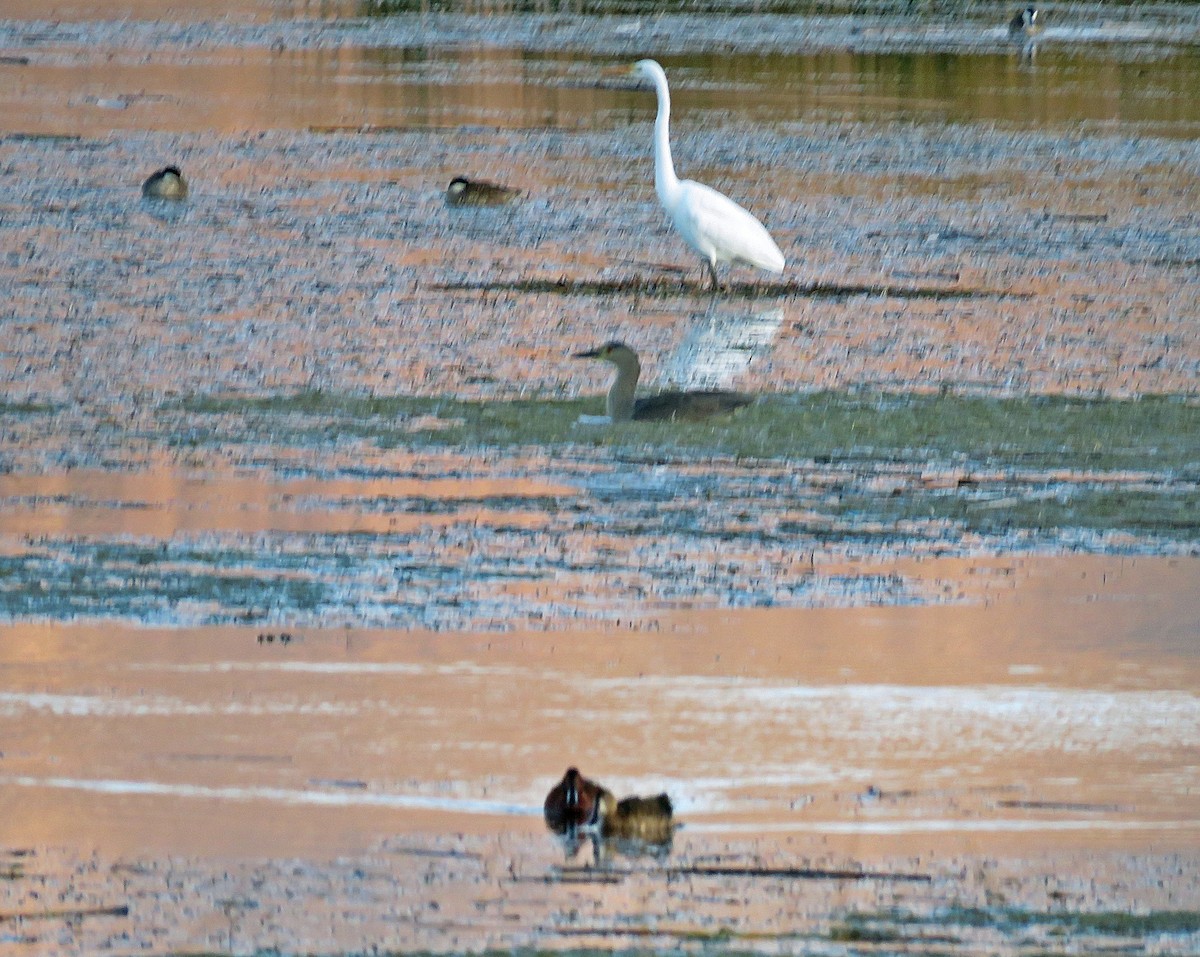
(314, 582)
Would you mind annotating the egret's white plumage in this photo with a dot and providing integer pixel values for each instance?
(716, 227)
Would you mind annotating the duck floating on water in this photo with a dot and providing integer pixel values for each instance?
(167, 183)
(478, 192)
(644, 820)
(622, 404)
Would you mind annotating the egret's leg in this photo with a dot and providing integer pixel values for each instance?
(712, 271)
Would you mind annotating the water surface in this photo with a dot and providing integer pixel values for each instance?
(806, 669)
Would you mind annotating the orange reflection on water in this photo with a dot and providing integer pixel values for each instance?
(164, 503)
(1058, 705)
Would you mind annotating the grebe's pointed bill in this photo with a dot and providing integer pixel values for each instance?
(606, 351)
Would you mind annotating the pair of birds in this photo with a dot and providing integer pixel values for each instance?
(578, 806)
(719, 231)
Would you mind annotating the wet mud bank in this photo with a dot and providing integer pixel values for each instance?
(464, 894)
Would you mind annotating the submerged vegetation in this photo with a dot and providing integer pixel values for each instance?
(909, 934)
(383, 8)
(125, 579)
(1150, 434)
(898, 464)
(24, 408)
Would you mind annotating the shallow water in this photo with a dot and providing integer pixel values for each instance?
(406, 73)
(1063, 672)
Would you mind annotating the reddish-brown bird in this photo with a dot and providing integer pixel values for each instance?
(573, 804)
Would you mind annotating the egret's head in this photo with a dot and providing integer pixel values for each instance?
(648, 70)
(615, 352)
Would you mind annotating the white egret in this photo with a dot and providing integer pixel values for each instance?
(716, 227)
(623, 406)
(478, 192)
(167, 183)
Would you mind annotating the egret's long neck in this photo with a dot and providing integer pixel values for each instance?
(620, 396)
(665, 180)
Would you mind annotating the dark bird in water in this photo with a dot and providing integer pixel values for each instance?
(573, 804)
(478, 192)
(641, 820)
(623, 406)
(1025, 24)
(167, 183)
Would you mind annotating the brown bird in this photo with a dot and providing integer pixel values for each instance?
(574, 804)
(622, 405)
(646, 821)
(167, 183)
(478, 192)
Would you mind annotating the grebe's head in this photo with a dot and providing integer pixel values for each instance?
(615, 352)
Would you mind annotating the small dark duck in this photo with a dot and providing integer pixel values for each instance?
(1025, 24)
(573, 805)
(622, 405)
(167, 183)
(478, 192)
(640, 820)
